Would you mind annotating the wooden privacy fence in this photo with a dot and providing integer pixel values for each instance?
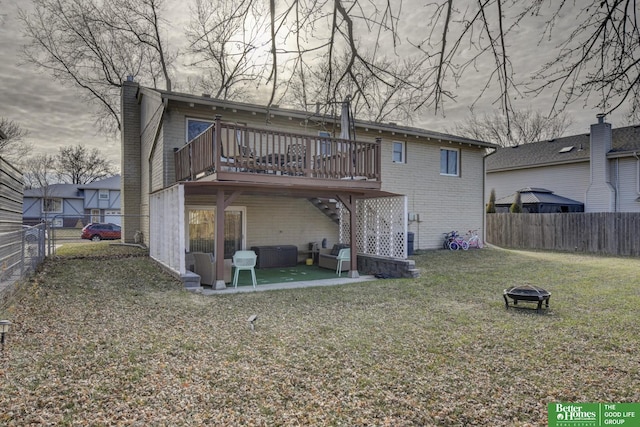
(602, 233)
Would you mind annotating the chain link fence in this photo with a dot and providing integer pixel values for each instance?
(20, 253)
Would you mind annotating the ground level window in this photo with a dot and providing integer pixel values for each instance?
(449, 162)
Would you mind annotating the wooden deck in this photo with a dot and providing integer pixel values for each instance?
(238, 153)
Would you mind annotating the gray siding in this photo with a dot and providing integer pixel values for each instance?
(626, 183)
(570, 180)
(131, 163)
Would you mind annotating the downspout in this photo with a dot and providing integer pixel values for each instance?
(484, 192)
(635, 154)
(617, 198)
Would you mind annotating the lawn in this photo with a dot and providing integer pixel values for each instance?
(113, 340)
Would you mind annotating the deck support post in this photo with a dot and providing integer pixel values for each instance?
(350, 203)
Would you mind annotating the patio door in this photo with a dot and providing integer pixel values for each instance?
(202, 229)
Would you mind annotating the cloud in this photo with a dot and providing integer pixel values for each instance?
(57, 116)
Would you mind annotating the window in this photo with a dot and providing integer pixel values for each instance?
(398, 152)
(196, 126)
(103, 194)
(52, 205)
(449, 162)
(324, 145)
(95, 215)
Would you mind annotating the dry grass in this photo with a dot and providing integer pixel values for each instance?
(115, 341)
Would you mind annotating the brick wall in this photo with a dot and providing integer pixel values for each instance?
(130, 166)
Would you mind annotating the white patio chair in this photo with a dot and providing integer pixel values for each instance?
(244, 260)
(343, 255)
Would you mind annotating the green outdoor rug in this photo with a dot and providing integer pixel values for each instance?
(299, 273)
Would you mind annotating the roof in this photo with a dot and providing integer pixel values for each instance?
(530, 195)
(570, 149)
(65, 191)
(286, 112)
(71, 191)
(111, 183)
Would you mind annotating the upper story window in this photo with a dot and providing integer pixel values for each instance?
(449, 162)
(52, 205)
(196, 126)
(324, 147)
(399, 155)
(103, 194)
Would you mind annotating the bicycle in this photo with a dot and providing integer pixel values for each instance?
(474, 240)
(447, 239)
(456, 241)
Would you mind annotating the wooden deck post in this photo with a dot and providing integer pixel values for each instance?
(350, 203)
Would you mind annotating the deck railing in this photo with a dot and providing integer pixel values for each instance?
(233, 148)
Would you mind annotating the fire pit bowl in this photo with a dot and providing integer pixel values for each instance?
(527, 293)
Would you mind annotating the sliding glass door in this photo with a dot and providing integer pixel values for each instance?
(201, 235)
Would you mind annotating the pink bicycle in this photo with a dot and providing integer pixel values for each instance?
(474, 240)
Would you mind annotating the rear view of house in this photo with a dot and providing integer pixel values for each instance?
(207, 175)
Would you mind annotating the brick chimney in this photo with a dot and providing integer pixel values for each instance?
(130, 166)
(601, 195)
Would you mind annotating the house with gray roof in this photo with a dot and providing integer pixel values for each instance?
(202, 174)
(600, 169)
(73, 205)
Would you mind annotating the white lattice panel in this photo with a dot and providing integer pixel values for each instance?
(166, 218)
(381, 226)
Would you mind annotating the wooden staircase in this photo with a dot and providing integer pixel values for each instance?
(327, 207)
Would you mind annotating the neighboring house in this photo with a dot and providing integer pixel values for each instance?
(73, 205)
(287, 177)
(539, 200)
(600, 169)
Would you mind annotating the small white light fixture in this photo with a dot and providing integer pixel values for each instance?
(4, 328)
(251, 321)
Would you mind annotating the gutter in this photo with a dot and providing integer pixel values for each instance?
(635, 154)
(304, 115)
(484, 192)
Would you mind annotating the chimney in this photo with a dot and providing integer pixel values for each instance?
(600, 195)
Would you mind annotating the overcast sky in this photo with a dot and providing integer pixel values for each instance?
(55, 116)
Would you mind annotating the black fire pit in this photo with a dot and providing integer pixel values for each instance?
(527, 293)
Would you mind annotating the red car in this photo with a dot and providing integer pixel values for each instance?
(97, 232)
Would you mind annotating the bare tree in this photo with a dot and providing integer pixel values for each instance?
(13, 147)
(597, 62)
(39, 172)
(525, 126)
(79, 165)
(367, 49)
(93, 46)
(348, 46)
(227, 43)
(394, 100)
